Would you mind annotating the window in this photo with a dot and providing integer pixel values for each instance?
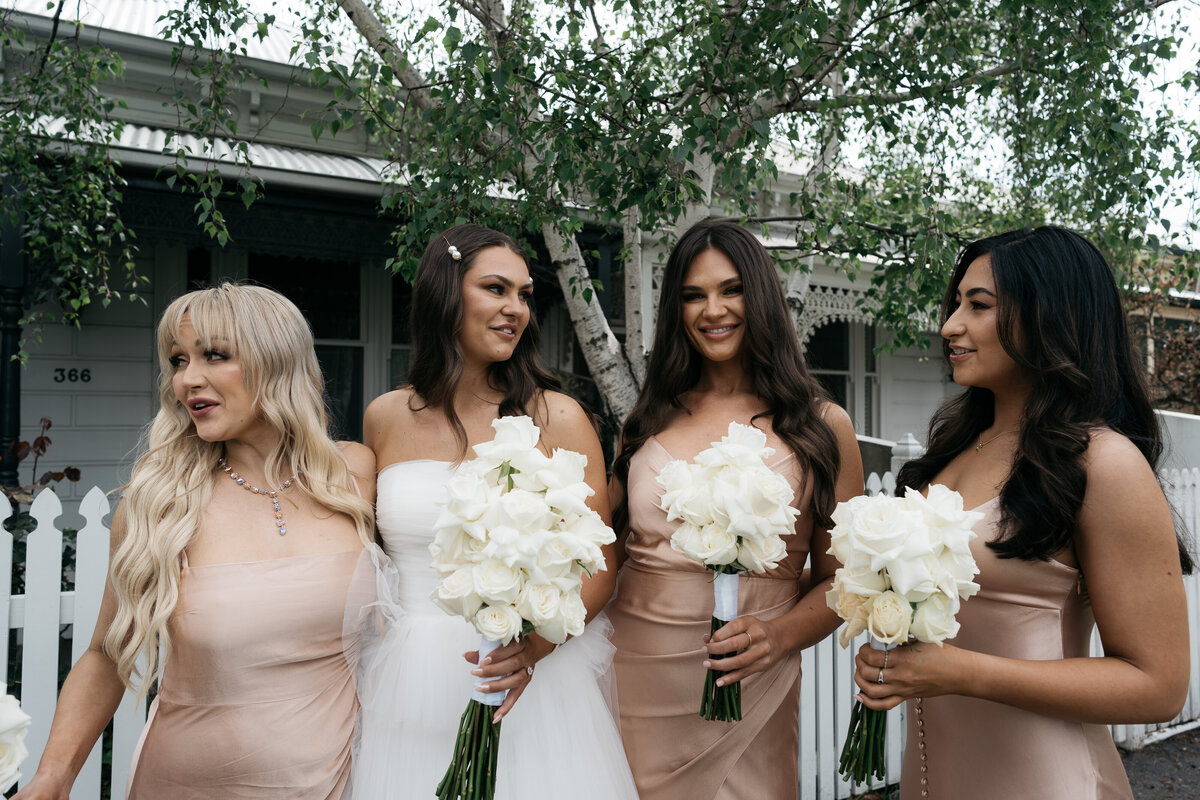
(841, 355)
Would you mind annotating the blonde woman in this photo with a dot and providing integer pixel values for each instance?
(241, 544)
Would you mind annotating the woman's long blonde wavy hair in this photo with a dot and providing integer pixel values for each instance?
(171, 485)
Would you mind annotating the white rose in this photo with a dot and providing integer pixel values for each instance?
(565, 468)
(590, 527)
(570, 499)
(914, 578)
(853, 608)
(675, 476)
(515, 548)
(498, 623)
(742, 446)
(529, 467)
(452, 548)
(760, 555)
(691, 504)
(934, 621)
(717, 546)
(890, 618)
(14, 724)
(554, 560)
(574, 612)
(514, 436)
(496, 582)
(887, 530)
(841, 545)
(767, 493)
(455, 594)
(525, 511)
(863, 582)
(686, 541)
(539, 603)
(467, 496)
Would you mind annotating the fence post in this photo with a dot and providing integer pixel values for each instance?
(40, 643)
(905, 450)
(91, 549)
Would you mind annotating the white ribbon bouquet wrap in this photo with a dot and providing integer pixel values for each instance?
(734, 511)
(512, 543)
(906, 568)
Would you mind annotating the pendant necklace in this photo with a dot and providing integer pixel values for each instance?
(981, 443)
(272, 494)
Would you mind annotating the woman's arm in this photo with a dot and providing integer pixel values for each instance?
(88, 700)
(810, 620)
(1127, 551)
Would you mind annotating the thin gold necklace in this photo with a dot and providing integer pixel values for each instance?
(981, 443)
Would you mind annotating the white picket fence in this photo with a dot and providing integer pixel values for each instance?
(44, 616)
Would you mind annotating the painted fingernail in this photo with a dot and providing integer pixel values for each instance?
(476, 672)
(707, 664)
(483, 687)
(487, 660)
(497, 717)
(720, 683)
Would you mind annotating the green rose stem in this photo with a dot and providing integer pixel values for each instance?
(723, 703)
(472, 771)
(864, 751)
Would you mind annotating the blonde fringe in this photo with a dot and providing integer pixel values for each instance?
(172, 483)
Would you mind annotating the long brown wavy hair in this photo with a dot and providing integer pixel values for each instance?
(437, 316)
(1060, 318)
(771, 353)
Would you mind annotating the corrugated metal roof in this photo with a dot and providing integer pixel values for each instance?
(274, 164)
(141, 18)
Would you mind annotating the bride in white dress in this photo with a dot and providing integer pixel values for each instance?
(475, 359)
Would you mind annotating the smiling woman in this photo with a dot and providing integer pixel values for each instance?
(474, 359)
(1055, 441)
(724, 351)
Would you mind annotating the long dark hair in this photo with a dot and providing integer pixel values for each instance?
(1059, 316)
(437, 316)
(770, 351)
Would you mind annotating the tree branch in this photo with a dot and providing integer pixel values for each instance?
(367, 24)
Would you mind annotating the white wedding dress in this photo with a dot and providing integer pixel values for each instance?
(561, 739)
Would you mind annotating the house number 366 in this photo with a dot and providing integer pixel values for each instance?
(72, 375)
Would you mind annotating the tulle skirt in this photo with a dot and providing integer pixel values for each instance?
(560, 739)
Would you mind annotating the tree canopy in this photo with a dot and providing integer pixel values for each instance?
(912, 126)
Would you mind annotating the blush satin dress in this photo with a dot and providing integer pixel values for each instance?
(258, 697)
(988, 751)
(661, 613)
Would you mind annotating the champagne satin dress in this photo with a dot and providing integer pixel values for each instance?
(258, 697)
(661, 612)
(988, 751)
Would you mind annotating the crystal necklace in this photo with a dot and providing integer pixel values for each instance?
(273, 494)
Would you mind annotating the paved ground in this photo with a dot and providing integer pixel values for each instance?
(1166, 770)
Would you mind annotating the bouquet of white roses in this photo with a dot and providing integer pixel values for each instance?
(906, 567)
(512, 542)
(14, 724)
(734, 511)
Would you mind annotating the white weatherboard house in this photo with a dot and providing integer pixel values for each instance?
(317, 237)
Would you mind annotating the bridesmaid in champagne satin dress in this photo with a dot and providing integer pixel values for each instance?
(1056, 442)
(243, 545)
(724, 351)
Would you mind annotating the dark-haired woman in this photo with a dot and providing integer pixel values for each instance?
(474, 360)
(1055, 441)
(724, 351)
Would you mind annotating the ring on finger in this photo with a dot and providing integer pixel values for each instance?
(749, 640)
(880, 678)
(529, 671)
(885, 655)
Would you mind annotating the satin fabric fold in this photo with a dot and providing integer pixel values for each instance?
(258, 698)
(660, 614)
(1036, 610)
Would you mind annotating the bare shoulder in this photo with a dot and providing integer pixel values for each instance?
(389, 405)
(359, 457)
(836, 418)
(1114, 463)
(563, 421)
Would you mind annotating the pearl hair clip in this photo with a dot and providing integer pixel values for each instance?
(452, 250)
